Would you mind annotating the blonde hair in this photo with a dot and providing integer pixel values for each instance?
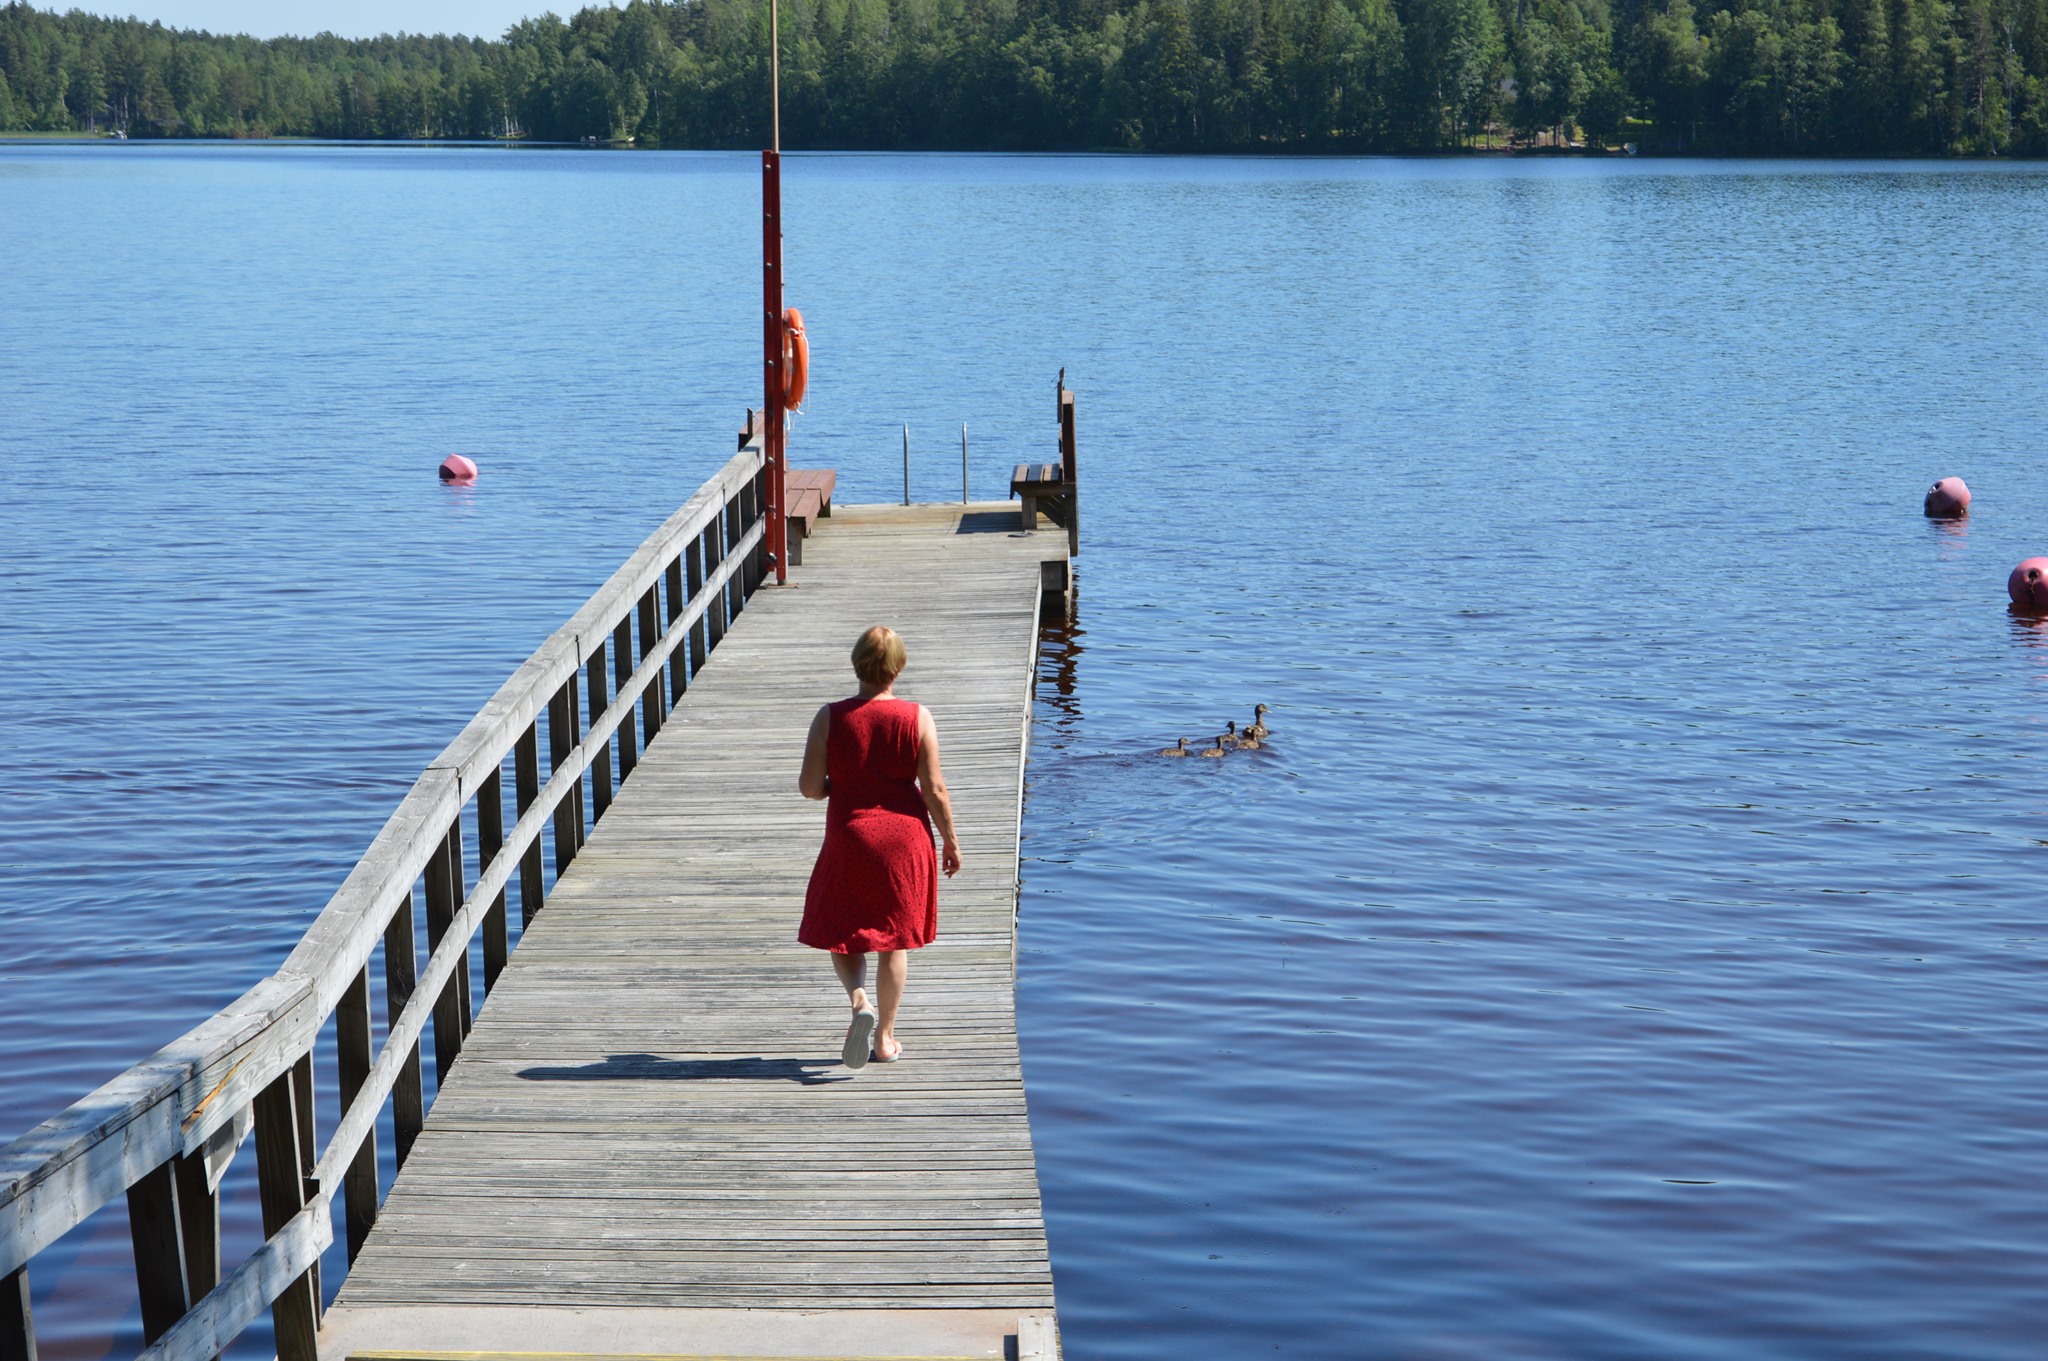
(878, 656)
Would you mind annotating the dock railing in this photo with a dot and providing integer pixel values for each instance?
(162, 1132)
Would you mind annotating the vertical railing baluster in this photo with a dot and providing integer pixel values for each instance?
(490, 839)
(17, 1320)
(693, 565)
(622, 672)
(198, 1224)
(750, 513)
(281, 1177)
(572, 685)
(678, 660)
(561, 743)
(601, 761)
(714, 609)
(401, 977)
(355, 1051)
(757, 513)
(735, 586)
(526, 790)
(444, 895)
(309, 1148)
(653, 701)
(159, 1252)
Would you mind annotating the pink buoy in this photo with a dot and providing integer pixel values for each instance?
(2028, 587)
(456, 468)
(1948, 499)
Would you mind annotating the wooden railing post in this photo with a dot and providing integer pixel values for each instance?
(757, 512)
(572, 685)
(678, 662)
(401, 977)
(281, 1177)
(309, 1148)
(692, 658)
(714, 554)
(654, 702)
(562, 736)
(490, 839)
(356, 1052)
(159, 1252)
(17, 1322)
(747, 503)
(444, 896)
(601, 763)
(622, 671)
(526, 791)
(198, 1224)
(736, 585)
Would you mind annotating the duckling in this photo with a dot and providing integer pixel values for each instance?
(1216, 750)
(1258, 730)
(1179, 749)
(1231, 739)
(1246, 742)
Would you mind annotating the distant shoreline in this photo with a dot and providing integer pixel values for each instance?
(1718, 78)
(1272, 154)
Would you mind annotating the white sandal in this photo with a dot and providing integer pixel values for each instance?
(859, 1038)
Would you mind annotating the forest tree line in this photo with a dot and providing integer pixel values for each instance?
(1771, 77)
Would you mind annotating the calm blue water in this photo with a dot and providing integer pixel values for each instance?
(1629, 945)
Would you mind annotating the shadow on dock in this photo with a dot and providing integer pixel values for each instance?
(655, 1068)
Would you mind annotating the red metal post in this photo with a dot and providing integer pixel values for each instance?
(772, 409)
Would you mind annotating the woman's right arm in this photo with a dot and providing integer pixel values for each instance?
(812, 781)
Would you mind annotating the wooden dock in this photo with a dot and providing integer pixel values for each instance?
(650, 1115)
(642, 1142)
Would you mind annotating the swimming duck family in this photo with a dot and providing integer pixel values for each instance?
(1232, 738)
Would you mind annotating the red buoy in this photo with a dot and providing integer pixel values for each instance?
(456, 468)
(2028, 587)
(1948, 499)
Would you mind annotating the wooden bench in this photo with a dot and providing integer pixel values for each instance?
(809, 495)
(1042, 487)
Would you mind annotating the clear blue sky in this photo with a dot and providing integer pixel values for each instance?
(349, 18)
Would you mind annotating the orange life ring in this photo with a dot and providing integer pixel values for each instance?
(796, 358)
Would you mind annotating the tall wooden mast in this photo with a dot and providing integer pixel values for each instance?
(773, 408)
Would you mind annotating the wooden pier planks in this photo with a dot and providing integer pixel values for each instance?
(650, 1113)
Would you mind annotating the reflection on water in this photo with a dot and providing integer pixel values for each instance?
(1627, 944)
(1060, 647)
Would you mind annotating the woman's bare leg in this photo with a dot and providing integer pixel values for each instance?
(892, 968)
(853, 976)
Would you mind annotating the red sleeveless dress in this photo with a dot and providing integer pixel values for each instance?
(876, 883)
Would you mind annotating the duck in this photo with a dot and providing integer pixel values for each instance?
(1178, 749)
(1258, 730)
(1232, 738)
(1217, 750)
(1247, 742)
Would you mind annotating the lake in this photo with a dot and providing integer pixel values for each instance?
(1629, 944)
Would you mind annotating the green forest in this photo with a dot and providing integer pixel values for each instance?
(1751, 77)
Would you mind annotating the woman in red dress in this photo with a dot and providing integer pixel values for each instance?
(875, 888)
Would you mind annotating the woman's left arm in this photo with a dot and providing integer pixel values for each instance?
(931, 782)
